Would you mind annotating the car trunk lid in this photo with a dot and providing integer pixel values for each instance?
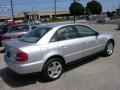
(13, 47)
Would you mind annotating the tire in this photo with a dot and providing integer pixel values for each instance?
(108, 48)
(53, 69)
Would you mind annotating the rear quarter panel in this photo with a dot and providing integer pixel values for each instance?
(34, 52)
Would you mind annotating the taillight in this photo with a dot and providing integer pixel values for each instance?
(21, 57)
(6, 37)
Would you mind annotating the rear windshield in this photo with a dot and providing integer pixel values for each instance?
(35, 35)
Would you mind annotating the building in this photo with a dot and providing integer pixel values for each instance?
(39, 15)
(17, 17)
(47, 15)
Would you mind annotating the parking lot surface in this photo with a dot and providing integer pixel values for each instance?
(95, 73)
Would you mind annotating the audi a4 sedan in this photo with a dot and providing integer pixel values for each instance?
(49, 48)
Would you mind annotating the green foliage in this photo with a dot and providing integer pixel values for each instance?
(111, 14)
(87, 11)
(94, 7)
(76, 8)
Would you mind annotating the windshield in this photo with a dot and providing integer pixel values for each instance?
(35, 35)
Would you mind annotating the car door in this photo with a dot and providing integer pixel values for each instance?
(69, 43)
(89, 38)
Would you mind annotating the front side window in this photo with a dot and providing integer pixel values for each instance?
(85, 31)
(35, 35)
(65, 33)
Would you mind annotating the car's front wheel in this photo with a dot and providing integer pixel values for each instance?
(109, 48)
(53, 69)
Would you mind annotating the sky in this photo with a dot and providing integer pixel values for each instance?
(48, 5)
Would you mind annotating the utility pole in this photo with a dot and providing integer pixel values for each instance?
(12, 12)
(74, 10)
(54, 9)
(119, 5)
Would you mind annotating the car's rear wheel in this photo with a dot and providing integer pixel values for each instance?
(109, 48)
(53, 69)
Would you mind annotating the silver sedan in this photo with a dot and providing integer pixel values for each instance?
(48, 48)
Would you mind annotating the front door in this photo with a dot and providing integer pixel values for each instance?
(89, 38)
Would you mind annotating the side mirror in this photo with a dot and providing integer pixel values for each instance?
(97, 33)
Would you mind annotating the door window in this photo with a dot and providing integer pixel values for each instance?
(85, 31)
(65, 33)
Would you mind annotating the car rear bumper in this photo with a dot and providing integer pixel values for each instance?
(24, 68)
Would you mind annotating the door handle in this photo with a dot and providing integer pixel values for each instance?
(86, 42)
(64, 46)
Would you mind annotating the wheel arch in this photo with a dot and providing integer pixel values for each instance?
(56, 56)
(112, 40)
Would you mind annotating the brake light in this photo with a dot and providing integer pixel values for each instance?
(6, 37)
(21, 57)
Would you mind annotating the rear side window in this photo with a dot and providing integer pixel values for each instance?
(35, 35)
(65, 33)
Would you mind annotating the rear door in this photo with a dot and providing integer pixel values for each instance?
(69, 43)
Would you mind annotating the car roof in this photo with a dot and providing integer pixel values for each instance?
(58, 25)
(23, 24)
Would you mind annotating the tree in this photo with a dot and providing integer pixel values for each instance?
(87, 12)
(109, 14)
(94, 7)
(113, 13)
(76, 8)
